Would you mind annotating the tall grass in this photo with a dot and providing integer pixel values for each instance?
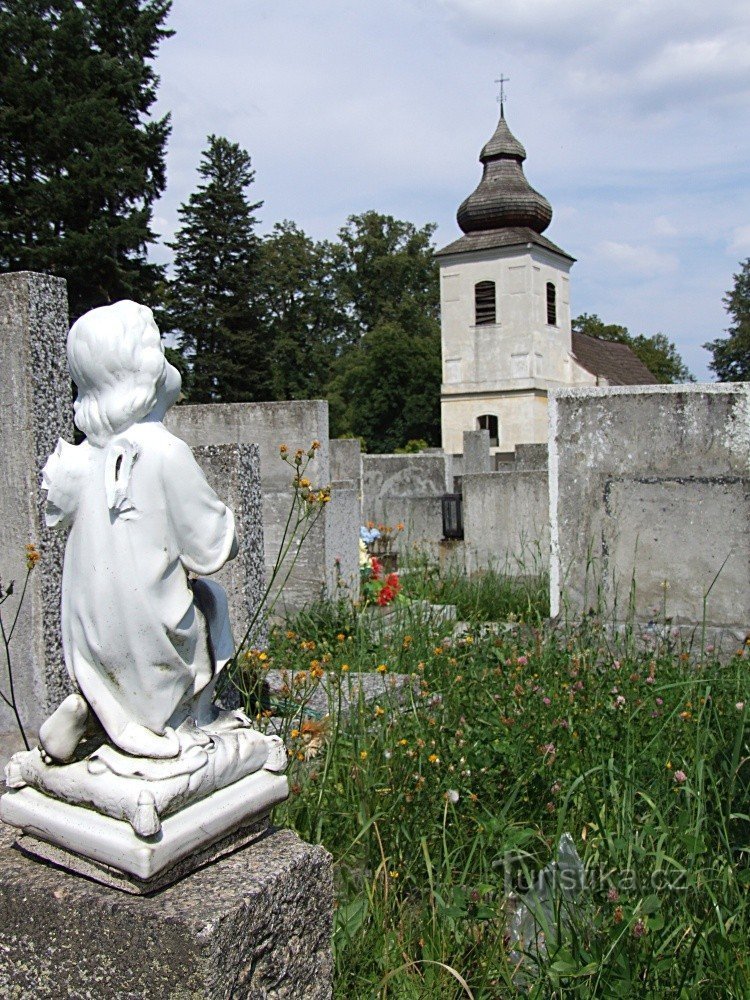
(432, 808)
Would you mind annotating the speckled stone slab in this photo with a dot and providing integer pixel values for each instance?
(254, 925)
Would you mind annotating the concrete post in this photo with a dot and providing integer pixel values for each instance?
(35, 410)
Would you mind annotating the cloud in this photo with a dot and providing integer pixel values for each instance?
(664, 227)
(637, 261)
(740, 242)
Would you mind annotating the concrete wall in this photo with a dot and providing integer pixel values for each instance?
(345, 460)
(407, 489)
(650, 488)
(35, 410)
(506, 523)
(296, 424)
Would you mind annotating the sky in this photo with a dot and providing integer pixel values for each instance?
(635, 115)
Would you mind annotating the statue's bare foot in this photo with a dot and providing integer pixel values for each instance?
(63, 731)
(277, 758)
(142, 742)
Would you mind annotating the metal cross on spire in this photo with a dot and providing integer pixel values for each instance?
(502, 81)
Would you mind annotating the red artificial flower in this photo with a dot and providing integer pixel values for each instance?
(386, 595)
(392, 581)
(377, 567)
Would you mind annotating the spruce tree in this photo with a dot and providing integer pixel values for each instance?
(81, 162)
(213, 301)
(731, 354)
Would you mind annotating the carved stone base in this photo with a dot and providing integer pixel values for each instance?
(113, 844)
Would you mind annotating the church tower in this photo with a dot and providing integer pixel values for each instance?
(505, 308)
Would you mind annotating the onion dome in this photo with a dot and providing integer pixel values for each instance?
(504, 198)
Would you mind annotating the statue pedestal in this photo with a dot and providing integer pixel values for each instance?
(255, 924)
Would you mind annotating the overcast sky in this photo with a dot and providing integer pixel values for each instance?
(634, 115)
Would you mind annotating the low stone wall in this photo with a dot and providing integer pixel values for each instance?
(407, 489)
(649, 504)
(506, 522)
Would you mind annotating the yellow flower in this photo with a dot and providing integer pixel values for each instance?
(382, 668)
(438, 650)
(344, 668)
(32, 556)
(668, 765)
(433, 758)
(340, 637)
(263, 656)
(294, 734)
(363, 755)
(403, 743)
(393, 874)
(379, 711)
(283, 449)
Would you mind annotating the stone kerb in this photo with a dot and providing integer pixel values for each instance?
(35, 401)
(649, 503)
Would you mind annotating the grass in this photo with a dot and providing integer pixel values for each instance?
(432, 809)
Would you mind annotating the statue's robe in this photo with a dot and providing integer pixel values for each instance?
(141, 515)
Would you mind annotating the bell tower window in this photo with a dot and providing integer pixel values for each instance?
(489, 422)
(484, 303)
(551, 304)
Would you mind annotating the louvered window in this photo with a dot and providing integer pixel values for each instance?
(489, 422)
(484, 302)
(551, 304)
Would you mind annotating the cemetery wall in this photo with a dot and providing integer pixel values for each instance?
(650, 504)
(506, 523)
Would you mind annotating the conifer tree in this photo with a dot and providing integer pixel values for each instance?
(213, 301)
(731, 354)
(81, 161)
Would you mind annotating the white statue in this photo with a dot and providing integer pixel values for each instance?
(143, 642)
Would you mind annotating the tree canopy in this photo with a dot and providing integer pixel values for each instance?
(731, 354)
(212, 303)
(657, 352)
(81, 161)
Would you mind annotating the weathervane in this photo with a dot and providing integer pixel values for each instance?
(503, 80)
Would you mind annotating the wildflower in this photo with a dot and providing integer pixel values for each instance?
(522, 661)
(639, 929)
(393, 874)
(294, 734)
(686, 715)
(547, 701)
(668, 765)
(620, 701)
(618, 915)
(387, 754)
(382, 668)
(740, 705)
(363, 755)
(379, 711)
(680, 777)
(32, 556)
(291, 635)
(452, 796)
(550, 807)
(283, 449)
(344, 668)
(438, 650)
(613, 895)
(556, 788)
(403, 743)
(433, 758)
(305, 483)
(659, 701)
(340, 637)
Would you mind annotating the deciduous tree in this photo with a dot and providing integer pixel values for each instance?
(657, 352)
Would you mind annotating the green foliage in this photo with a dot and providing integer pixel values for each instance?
(434, 803)
(302, 317)
(658, 353)
(412, 447)
(731, 355)
(211, 301)
(81, 162)
(385, 386)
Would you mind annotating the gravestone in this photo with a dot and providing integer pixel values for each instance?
(477, 457)
(650, 505)
(35, 402)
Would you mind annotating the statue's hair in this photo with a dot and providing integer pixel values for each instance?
(117, 362)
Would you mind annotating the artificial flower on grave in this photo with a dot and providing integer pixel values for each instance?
(379, 587)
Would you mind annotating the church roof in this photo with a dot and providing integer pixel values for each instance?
(496, 239)
(504, 198)
(607, 359)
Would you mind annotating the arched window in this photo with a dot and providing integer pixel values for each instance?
(484, 302)
(551, 304)
(489, 422)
